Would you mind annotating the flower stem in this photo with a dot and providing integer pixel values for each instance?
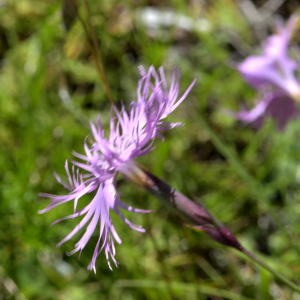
(271, 270)
(240, 248)
(97, 55)
(95, 51)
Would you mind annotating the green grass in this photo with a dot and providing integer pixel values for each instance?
(249, 179)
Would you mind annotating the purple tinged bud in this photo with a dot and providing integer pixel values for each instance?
(221, 235)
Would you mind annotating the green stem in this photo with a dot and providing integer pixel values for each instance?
(97, 55)
(219, 224)
(271, 270)
(95, 51)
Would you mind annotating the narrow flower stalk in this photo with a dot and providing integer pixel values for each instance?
(97, 57)
(273, 75)
(92, 40)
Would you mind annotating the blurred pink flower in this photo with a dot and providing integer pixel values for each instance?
(273, 74)
(275, 104)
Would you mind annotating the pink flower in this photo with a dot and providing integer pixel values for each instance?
(131, 135)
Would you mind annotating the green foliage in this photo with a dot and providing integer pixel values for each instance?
(50, 88)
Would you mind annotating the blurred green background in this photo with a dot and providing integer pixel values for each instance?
(50, 89)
